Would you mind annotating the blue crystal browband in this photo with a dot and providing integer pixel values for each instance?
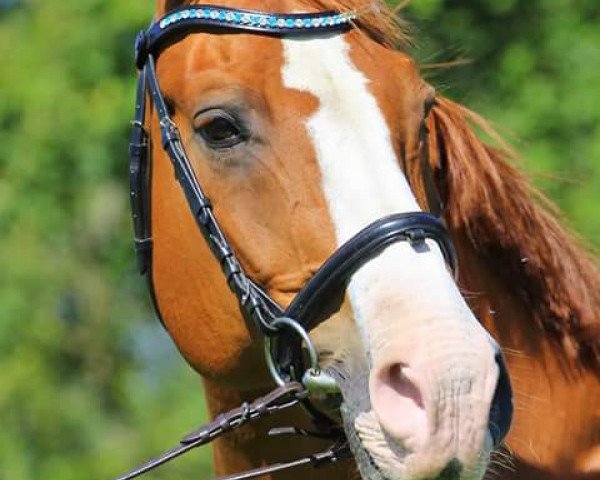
(238, 17)
(215, 19)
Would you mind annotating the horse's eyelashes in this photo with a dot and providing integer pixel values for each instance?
(220, 129)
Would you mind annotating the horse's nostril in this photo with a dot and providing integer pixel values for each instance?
(398, 403)
(501, 411)
(403, 385)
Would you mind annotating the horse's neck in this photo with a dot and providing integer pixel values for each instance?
(251, 447)
(552, 393)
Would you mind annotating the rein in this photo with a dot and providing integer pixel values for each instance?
(285, 330)
(281, 398)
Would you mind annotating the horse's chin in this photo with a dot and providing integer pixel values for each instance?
(369, 470)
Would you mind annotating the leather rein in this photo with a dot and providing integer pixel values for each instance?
(285, 329)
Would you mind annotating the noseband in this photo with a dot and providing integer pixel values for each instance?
(285, 329)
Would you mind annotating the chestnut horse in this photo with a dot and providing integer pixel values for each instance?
(299, 144)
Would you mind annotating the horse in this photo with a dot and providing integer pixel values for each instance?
(300, 143)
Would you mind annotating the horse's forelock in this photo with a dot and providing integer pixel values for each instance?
(495, 206)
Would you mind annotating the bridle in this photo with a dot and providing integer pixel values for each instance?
(284, 329)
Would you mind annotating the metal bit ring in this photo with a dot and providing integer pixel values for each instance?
(314, 379)
(285, 322)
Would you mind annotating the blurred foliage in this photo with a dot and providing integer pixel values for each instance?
(533, 69)
(90, 384)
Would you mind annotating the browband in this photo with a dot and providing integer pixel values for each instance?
(213, 19)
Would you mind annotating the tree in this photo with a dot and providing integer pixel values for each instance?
(533, 71)
(89, 380)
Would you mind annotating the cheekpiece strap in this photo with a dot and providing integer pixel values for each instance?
(254, 301)
(217, 19)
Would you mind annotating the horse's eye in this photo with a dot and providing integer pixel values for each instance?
(219, 129)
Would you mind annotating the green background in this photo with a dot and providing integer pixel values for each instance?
(89, 383)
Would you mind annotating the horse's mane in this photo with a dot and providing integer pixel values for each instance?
(515, 229)
(375, 18)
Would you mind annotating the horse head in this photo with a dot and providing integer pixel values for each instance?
(301, 142)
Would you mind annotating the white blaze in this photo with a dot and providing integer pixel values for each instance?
(361, 176)
(405, 302)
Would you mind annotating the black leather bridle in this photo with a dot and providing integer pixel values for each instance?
(284, 328)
